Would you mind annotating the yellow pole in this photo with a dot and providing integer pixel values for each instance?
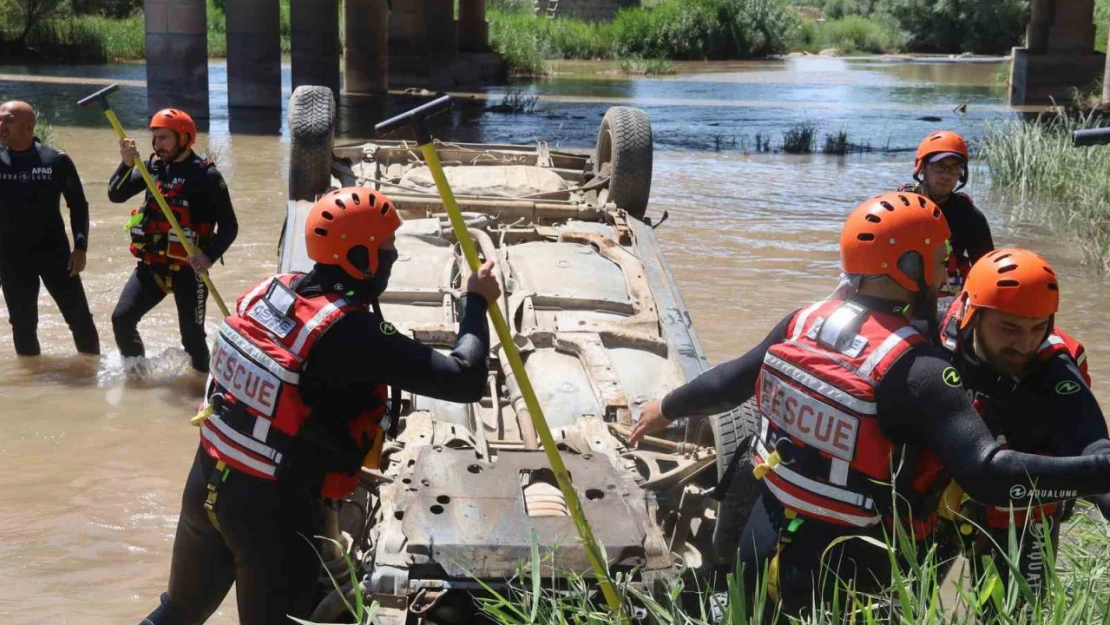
(189, 248)
(513, 354)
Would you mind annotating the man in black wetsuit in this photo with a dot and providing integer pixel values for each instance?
(33, 242)
(296, 405)
(197, 194)
(940, 170)
(856, 402)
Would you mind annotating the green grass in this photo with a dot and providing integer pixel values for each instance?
(854, 33)
(96, 39)
(800, 139)
(1049, 181)
(1077, 590)
(645, 67)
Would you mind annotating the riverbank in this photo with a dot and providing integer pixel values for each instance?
(641, 39)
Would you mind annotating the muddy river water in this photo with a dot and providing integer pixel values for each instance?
(92, 463)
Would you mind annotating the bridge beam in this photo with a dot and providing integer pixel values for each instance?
(366, 49)
(1059, 53)
(473, 27)
(177, 56)
(254, 54)
(315, 43)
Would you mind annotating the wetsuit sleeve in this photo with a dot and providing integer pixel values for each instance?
(125, 183)
(74, 194)
(980, 241)
(917, 406)
(227, 226)
(356, 354)
(725, 386)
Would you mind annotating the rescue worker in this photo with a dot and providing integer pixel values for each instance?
(33, 242)
(1028, 379)
(296, 402)
(940, 170)
(198, 197)
(855, 404)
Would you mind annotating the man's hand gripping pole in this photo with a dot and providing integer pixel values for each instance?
(101, 98)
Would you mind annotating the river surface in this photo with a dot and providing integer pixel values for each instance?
(92, 463)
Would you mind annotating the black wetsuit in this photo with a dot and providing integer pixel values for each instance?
(971, 234)
(193, 180)
(34, 246)
(916, 407)
(259, 546)
(1051, 411)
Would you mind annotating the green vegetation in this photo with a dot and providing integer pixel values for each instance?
(800, 139)
(98, 30)
(671, 29)
(646, 67)
(853, 33)
(1065, 187)
(1076, 585)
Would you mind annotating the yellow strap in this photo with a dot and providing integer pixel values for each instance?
(213, 495)
(951, 502)
(773, 576)
(203, 415)
(373, 459)
(760, 471)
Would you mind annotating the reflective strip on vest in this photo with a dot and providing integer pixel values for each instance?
(787, 499)
(231, 453)
(259, 356)
(250, 443)
(1050, 341)
(887, 346)
(825, 490)
(316, 320)
(253, 294)
(818, 386)
(803, 317)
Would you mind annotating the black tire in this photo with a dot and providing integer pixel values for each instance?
(734, 431)
(625, 144)
(312, 126)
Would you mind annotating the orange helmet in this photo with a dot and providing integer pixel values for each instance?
(346, 219)
(941, 142)
(179, 122)
(881, 231)
(1013, 281)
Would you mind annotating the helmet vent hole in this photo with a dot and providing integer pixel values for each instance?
(865, 236)
(321, 231)
(905, 201)
(327, 215)
(921, 201)
(354, 198)
(1007, 269)
(873, 219)
(1002, 257)
(936, 213)
(1052, 286)
(385, 209)
(886, 205)
(1008, 283)
(1050, 272)
(373, 200)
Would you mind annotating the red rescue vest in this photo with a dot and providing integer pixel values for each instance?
(1058, 342)
(153, 241)
(816, 394)
(254, 384)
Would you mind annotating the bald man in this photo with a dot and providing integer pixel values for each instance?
(33, 242)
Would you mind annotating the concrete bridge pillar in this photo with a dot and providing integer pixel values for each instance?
(1059, 53)
(177, 56)
(315, 43)
(406, 26)
(440, 31)
(473, 27)
(366, 49)
(253, 54)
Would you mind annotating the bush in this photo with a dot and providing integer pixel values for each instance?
(1052, 182)
(855, 33)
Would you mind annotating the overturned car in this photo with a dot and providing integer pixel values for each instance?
(464, 490)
